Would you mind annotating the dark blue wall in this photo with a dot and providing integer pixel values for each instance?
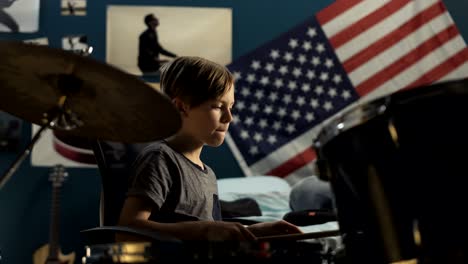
(24, 201)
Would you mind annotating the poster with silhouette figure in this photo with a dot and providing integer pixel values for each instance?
(77, 44)
(19, 16)
(73, 7)
(136, 35)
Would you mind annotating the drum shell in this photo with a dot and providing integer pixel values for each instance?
(124, 252)
(398, 178)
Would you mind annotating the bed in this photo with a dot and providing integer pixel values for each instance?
(272, 195)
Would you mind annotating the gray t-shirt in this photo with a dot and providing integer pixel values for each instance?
(179, 189)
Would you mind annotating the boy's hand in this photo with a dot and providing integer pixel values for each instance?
(215, 231)
(273, 228)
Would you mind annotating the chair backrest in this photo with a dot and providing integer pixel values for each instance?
(114, 161)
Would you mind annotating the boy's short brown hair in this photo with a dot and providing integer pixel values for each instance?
(195, 80)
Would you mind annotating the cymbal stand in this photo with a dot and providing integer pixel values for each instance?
(60, 117)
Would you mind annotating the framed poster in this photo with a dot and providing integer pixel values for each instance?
(19, 16)
(73, 7)
(77, 44)
(184, 31)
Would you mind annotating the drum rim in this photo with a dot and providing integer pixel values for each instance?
(357, 115)
(363, 112)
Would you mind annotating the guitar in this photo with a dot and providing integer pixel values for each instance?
(51, 253)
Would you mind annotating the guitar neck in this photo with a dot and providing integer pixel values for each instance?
(54, 223)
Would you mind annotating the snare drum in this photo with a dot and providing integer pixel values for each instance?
(205, 252)
(200, 252)
(128, 252)
(397, 166)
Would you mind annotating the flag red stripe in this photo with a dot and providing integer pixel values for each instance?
(74, 155)
(442, 69)
(394, 37)
(367, 22)
(407, 60)
(334, 10)
(294, 163)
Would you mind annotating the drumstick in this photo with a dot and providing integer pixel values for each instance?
(300, 236)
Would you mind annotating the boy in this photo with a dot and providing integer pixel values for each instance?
(172, 191)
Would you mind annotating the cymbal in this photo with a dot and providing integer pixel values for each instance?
(112, 105)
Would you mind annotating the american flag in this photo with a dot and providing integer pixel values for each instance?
(351, 52)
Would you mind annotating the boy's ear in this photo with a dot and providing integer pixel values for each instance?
(180, 105)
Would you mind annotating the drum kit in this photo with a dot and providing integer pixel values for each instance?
(396, 164)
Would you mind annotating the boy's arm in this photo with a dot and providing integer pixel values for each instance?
(280, 227)
(136, 212)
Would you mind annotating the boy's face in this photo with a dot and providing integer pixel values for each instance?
(209, 121)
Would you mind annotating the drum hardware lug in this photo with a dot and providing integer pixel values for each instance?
(393, 133)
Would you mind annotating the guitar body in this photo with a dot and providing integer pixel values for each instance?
(41, 254)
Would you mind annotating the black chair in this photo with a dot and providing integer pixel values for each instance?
(114, 161)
